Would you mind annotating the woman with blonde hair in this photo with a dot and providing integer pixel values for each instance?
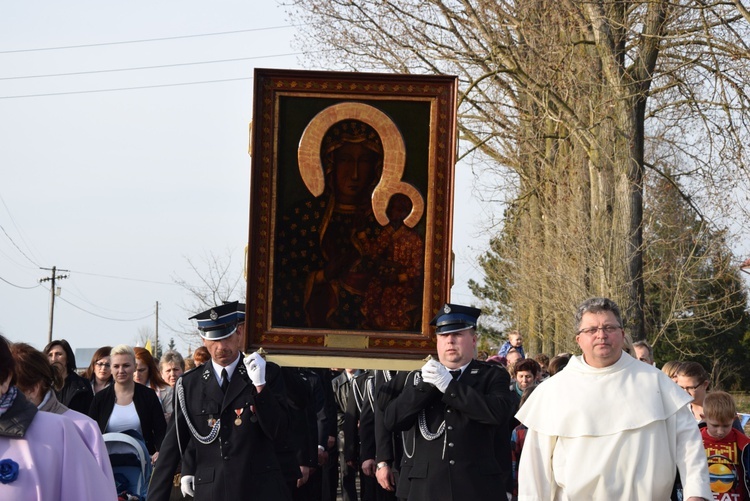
(128, 406)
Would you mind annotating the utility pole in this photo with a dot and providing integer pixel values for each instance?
(156, 344)
(53, 278)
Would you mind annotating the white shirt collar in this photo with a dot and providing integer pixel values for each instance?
(462, 369)
(230, 368)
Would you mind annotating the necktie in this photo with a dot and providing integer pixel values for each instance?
(456, 373)
(224, 380)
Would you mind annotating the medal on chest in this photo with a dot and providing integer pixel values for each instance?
(238, 413)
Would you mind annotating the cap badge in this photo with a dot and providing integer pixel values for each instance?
(446, 309)
(213, 315)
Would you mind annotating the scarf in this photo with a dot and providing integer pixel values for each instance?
(7, 400)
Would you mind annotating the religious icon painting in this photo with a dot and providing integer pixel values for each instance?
(350, 212)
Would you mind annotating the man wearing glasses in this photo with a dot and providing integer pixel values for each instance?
(609, 426)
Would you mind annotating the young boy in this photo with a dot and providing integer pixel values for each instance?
(515, 340)
(726, 448)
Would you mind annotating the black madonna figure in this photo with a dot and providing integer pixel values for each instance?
(322, 269)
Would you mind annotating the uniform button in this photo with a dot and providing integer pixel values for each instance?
(452, 462)
(453, 395)
(226, 458)
(450, 427)
(450, 444)
(448, 411)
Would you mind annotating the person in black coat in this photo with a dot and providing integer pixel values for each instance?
(388, 445)
(452, 411)
(228, 417)
(125, 391)
(76, 393)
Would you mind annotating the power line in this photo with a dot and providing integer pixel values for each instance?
(160, 66)
(15, 225)
(124, 278)
(50, 94)
(83, 298)
(19, 286)
(102, 316)
(17, 247)
(123, 42)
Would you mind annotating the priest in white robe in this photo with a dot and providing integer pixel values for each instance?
(609, 427)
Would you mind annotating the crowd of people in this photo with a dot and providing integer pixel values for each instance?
(221, 424)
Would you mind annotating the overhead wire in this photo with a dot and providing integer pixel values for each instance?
(19, 286)
(102, 316)
(124, 89)
(119, 89)
(160, 39)
(17, 247)
(159, 66)
(123, 278)
(50, 94)
(20, 233)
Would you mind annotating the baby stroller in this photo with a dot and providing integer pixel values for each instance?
(131, 464)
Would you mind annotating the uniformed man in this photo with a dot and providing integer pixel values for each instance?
(228, 417)
(388, 445)
(453, 410)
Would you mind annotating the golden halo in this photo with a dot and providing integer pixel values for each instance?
(394, 157)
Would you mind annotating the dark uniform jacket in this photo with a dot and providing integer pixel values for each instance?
(299, 447)
(240, 463)
(388, 385)
(464, 462)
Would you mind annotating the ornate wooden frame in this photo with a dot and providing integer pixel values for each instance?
(292, 110)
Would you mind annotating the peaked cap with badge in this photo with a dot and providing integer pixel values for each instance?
(220, 321)
(230, 432)
(458, 437)
(454, 318)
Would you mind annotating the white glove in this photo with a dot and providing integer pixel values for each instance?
(256, 368)
(187, 485)
(435, 373)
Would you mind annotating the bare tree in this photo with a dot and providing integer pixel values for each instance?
(215, 279)
(570, 102)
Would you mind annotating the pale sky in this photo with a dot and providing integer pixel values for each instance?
(121, 176)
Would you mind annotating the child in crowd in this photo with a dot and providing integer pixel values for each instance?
(726, 448)
(515, 340)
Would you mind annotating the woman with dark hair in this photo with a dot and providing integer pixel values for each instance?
(558, 363)
(42, 455)
(526, 372)
(36, 378)
(126, 405)
(148, 374)
(75, 392)
(99, 372)
(693, 378)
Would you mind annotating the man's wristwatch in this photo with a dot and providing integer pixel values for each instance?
(382, 464)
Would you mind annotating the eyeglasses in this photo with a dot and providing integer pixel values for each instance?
(691, 388)
(103, 365)
(607, 329)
